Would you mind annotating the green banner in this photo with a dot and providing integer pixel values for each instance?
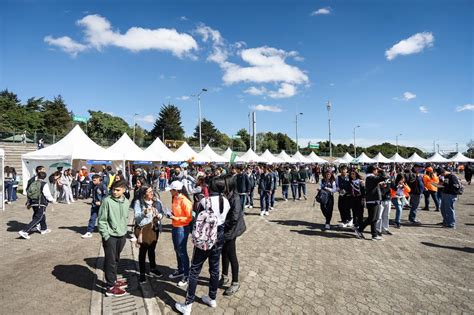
(233, 157)
(313, 146)
(79, 119)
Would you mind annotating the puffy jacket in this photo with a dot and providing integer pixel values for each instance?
(234, 225)
(429, 180)
(294, 177)
(182, 209)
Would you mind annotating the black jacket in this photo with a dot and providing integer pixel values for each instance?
(266, 182)
(243, 183)
(234, 224)
(294, 177)
(285, 178)
(372, 188)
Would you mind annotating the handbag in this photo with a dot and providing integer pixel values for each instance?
(146, 234)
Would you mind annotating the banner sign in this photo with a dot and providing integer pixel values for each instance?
(95, 162)
(79, 119)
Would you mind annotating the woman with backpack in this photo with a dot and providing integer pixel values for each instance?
(208, 239)
(234, 227)
(148, 215)
(328, 186)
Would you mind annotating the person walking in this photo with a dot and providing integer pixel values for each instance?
(328, 184)
(252, 183)
(38, 196)
(112, 224)
(285, 182)
(219, 206)
(357, 198)
(294, 180)
(275, 180)
(181, 217)
(303, 176)
(99, 193)
(265, 189)
(430, 181)
(384, 211)
(415, 182)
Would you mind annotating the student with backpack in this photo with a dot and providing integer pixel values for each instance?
(99, 193)
(452, 188)
(38, 195)
(208, 238)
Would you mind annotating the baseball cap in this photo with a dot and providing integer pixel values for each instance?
(176, 185)
(83, 168)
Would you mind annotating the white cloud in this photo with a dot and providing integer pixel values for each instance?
(267, 108)
(408, 96)
(412, 45)
(183, 18)
(99, 34)
(148, 119)
(285, 90)
(66, 44)
(424, 109)
(322, 11)
(183, 98)
(465, 107)
(256, 90)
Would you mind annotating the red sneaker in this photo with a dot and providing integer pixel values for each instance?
(121, 283)
(115, 291)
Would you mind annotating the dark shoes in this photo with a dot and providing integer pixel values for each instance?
(224, 280)
(156, 273)
(232, 289)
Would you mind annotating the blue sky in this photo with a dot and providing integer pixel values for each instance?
(389, 66)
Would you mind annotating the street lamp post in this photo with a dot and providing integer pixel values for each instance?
(199, 107)
(396, 138)
(134, 125)
(355, 148)
(328, 106)
(297, 145)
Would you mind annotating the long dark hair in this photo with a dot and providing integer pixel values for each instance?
(218, 186)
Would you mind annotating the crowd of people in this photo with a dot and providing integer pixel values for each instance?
(209, 203)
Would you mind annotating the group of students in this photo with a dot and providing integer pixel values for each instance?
(382, 188)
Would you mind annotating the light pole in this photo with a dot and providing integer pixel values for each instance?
(134, 125)
(199, 107)
(297, 145)
(396, 138)
(355, 149)
(328, 106)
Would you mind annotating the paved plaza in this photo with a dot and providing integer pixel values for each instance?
(288, 265)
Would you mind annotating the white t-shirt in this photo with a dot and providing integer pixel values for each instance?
(215, 207)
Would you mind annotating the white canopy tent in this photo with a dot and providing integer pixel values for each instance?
(347, 158)
(186, 153)
(316, 159)
(363, 158)
(396, 158)
(2, 178)
(73, 148)
(301, 158)
(250, 157)
(415, 158)
(460, 158)
(270, 158)
(380, 158)
(285, 157)
(437, 158)
(157, 151)
(128, 150)
(209, 155)
(227, 154)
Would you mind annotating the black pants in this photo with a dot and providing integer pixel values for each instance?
(372, 209)
(357, 210)
(199, 257)
(112, 249)
(150, 250)
(327, 208)
(344, 205)
(229, 255)
(39, 217)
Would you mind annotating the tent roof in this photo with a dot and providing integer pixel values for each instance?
(270, 158)
(437, 158)
(415, 158)
(398, 159)
(380, 158)
(2, 152)
(250, 156)
(157, 151)
(316, 159)
(301, 158)
(285, 157)
(363, 158)
(76, 145)
(347, 158)
(209, 155)
(129, 151)
(459, 157)
(186, 153)
(227, 154)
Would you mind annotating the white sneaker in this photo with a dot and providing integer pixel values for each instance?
(251, 207)
(267, 213)
(38, 228)
(207, 300)
(24, 235)
(183, 282)
(327, 227)
(271, 208)
(350, 224)
(45, 231)
(183, 308)
(262, 213)
(87, 235)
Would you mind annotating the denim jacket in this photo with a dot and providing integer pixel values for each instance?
(141, 219)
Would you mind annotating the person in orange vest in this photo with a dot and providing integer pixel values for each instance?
(430, 180)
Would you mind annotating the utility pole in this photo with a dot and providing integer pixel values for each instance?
(328, 106)
(134, 125)
(250, 131)
(355, 148)
(457, 149)
(199, 108)
(254, 120)
(297, 145)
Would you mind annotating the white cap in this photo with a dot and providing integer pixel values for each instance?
(176, 185)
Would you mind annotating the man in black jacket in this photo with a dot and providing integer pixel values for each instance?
(373, 196)
(243, 185)
(265, 185)
(252, 183)
(452, 187)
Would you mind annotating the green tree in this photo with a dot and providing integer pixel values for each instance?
(266, 141)
(169, 120)
(56, 117)
(209, 133)
(105, 129)
(284, 143)
(244, 136)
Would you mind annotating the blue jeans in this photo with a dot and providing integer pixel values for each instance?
(398, 209)
(447, 209)
(284, 190)
(180, 240)
(272, 198)
(162, 184)
(8, 190)
(199, 257)
(243, 200)
(294, 188)
(301, 188)
(414, 203)
(250, 198)
(93, 219)
(434, 195)
(264, 200)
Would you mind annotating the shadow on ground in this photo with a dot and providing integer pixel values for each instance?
(469, 250)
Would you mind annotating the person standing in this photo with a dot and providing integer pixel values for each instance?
(399, 190)
(8, 184)
(38, 195)
(344, 200)
(357, 198)
(265, 189)
(468, 170)
(328, 184)
(415, 183)
(285, 182)
(294, 180)
(384, 211)
(112, 224)
(430, 181)
(252, 182)
(275, 180)
(181, 217)
(243, 184)
(303, 176)
(99, 193)
(452, 187)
